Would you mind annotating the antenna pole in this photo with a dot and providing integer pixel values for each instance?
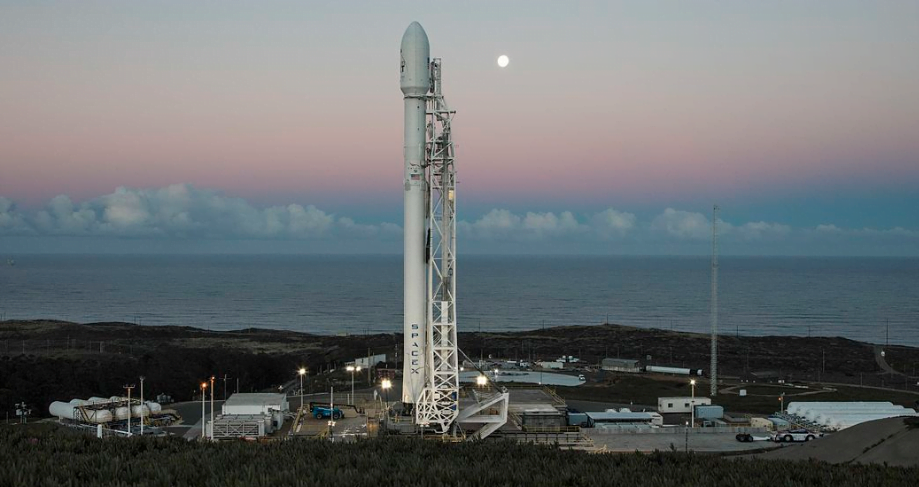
(714, 365)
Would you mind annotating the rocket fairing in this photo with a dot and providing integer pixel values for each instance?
(415, 82)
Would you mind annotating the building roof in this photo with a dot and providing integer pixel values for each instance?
(255, 399)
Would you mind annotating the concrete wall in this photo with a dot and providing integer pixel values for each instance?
(674, 431)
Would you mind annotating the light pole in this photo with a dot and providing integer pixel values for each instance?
(352, 369)
(331, 410)
(301, 372)
(386, 385)
(212, 407)
(203, 418)
(692, 405)
(142, 405)
(129, 387)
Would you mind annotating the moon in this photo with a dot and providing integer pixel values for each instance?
(503, 61)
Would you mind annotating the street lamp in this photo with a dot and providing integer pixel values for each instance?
(352, 369)
(386, 385)
(142, 406)
(203, 395)
(302, 372)
(212, 407)
(692, 405)
(128, 388)
(481, 380)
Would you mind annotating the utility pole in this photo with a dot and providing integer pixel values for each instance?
(212, 407)
(225, 386)
(128, 388)
(142, 406)
(714, 365)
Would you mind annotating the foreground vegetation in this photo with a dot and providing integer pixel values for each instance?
(47, 456)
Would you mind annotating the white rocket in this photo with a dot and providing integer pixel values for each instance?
(415, 81)
(430, 383)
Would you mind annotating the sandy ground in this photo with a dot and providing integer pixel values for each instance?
(884, 441)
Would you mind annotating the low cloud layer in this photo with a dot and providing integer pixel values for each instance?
(180, 211)
(183, 212)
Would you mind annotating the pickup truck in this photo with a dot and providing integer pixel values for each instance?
(320, 412)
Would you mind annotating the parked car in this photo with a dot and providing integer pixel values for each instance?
(795, 435)
(320, 412)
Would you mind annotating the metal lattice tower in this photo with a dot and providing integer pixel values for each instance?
(439, 403)
(714, 366)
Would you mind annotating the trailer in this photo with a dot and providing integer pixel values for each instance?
(660, 369)
(680, 404)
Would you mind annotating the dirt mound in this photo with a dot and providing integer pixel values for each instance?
(892, 441)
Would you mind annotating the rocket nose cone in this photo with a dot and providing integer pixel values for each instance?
(416, 53)
(414, 36)
(416, 28)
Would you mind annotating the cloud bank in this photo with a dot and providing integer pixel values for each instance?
(183, 212)
(180, 211)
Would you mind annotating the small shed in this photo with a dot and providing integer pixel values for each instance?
(620, 365)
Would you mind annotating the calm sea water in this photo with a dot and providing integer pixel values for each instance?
(851, 297)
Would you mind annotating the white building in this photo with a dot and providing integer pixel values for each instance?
(371, 361)
(680, 404)
(258, 403)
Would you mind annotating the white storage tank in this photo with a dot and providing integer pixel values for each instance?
(122, 412)
(68, 410)
(154, 407)
(140, 410)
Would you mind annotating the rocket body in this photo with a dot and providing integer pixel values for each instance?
(415, 83)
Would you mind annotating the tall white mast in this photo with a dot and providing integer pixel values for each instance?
(714, 365)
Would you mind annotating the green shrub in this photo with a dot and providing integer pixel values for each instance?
(36, 458)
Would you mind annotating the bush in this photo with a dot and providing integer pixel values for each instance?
(50, 458)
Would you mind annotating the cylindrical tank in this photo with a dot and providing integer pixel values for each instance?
(154, 407)
(668, 370)
(140, 410)
(98, 400)
(68, 410)
(122, 412)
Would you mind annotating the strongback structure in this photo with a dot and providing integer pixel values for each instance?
(431, 361)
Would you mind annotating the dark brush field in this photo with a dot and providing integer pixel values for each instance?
(44, 361)
(42, 455)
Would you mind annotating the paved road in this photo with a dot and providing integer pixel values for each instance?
(705, 442)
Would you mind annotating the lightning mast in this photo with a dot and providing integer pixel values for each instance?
(714, 365)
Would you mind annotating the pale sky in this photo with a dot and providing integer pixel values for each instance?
(614, 128)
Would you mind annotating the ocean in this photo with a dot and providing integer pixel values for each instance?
(858, 298)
